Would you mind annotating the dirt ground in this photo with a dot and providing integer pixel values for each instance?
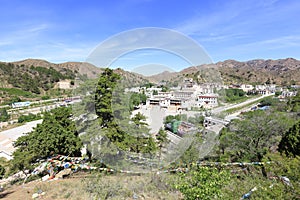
(58, 189)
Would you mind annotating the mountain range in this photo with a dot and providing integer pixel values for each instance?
(280, 72)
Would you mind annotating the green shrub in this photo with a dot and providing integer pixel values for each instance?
(28, 118)
(4, 116)
(46, 97)
(202, 183)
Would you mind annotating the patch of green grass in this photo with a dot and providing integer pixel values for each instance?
(242, 99)
(17, 92)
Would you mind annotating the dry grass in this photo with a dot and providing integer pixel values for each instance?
(99, 186)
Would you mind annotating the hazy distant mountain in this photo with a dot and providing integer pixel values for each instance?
(151, 69)
(164, 76)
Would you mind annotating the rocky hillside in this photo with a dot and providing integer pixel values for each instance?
(82, 68)
(281, 72)
(131, 79)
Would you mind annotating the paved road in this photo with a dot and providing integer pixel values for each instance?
(227, 107)
(37, 110)
(7, 137)
(155, 116)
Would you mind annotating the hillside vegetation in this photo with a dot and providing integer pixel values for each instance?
(32, 79)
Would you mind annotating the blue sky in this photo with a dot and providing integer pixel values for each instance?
(65, 30)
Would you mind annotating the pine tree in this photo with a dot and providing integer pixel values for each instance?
(57, 134)
(290, 142)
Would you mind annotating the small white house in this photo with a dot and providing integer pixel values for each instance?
(207, 100)
(64, 84)
(246, 88)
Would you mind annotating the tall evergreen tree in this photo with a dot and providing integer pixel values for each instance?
(112, 107)
(103, 96)
(290, 142)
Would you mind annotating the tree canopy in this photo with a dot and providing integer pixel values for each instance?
(57, 134)
(103, 96)
(290, 142)
(136, 99)
(252, 137)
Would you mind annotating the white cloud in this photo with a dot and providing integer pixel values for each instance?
(35, 29)
(24, 35)
(275, 43)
